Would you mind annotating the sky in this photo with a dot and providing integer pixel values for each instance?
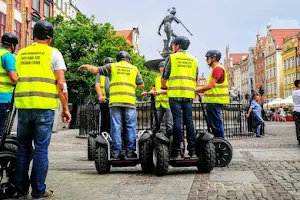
(214, 24)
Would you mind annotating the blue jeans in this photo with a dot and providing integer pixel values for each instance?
(186, 107)
(214, 115)
(117, 114)
(33, 125)
(258, 121)
(3, 109)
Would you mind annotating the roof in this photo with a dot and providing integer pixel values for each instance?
(279, 34)
(263, 39)
(237, 57)
(126, 33)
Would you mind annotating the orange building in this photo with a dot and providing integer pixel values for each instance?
(259, 63)
(132, 37)
(19, 17)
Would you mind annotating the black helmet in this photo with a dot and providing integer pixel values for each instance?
(9, 39)
(122, 55)
(108, 60)
(43, 30)
(214, 54)
(162, 63)
(182, 41)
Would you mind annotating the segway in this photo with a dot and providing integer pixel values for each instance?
(91, 139)
(222, 146)
(8, 147)
(205, 152)
(104, 161)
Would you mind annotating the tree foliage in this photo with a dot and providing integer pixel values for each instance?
(82, 41)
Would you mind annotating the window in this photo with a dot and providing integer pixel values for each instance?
(289, 63)
(289, 79)
(298, 62)
(285, 80)
(33, 21)
(46, 8)
(2, 23)
(298, 75)
(293, 77)
(36, 5)
(17, 30)
(284, 64)
(293, 64)
(274, 59)
(18, 4)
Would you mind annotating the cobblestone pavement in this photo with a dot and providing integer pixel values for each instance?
(262, 168)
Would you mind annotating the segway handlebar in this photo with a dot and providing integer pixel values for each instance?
(205, 114)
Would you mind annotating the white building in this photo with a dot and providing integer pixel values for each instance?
(66, 8)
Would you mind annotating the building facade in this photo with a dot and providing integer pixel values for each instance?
(231, 64)
(289, 59)
(273, 61)
(244, 68)
(259, 65)
(19, 17)
(298, 55)
(251, 76)
(132, 37)
(66, 8)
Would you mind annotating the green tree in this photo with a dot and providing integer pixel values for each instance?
(82, 41)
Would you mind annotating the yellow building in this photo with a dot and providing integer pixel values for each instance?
(289, 55)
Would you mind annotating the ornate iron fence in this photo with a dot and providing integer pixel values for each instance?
(236, 124)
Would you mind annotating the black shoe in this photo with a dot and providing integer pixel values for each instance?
(176, 154)
(131, 155)
(192, 154)
(115, 156)
(258, 136)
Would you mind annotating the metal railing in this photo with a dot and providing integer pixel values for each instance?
(235, 122)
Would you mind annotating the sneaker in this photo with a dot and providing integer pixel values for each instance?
(258, 136)
(192, 154)
(131, 155)
(115, 155)
(176, 154)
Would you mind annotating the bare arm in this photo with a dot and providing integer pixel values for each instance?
(62, 92)
(13, 76)
(176, 20)
(249, 111)
(140, 86)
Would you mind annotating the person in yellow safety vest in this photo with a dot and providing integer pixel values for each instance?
(102, 89)
(8, 74)
(124, 80)
(41, 70)
(181, 71)
(162, 105)
(216, 92)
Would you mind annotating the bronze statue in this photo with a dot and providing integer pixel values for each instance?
(167, 22)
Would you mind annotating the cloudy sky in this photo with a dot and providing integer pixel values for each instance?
(214, 24)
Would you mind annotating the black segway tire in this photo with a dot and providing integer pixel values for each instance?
(146, 155)
(7, 166)
(91, 147)
(223, 152)
(161, 159)
(101, 160)
(207, 157)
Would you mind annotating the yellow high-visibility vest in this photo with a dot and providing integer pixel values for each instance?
(5, 83)
(36, 88)
(182, 80)
(102, 86)
(219, 93)
(122, 84)
(162, 99)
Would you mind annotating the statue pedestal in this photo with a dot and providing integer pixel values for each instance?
(165, 54)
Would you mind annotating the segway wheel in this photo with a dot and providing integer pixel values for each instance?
(223, 152)
(101, 160)
(7, 174)
(91, 148)
(207, 157)
(161, 159)
(146, 156)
